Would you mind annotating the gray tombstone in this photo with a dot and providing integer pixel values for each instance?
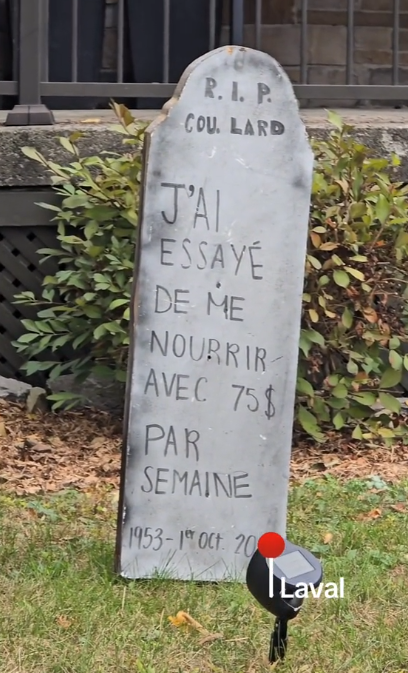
(216, 320)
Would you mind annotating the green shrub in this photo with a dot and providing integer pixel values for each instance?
(356, 269)
(86, 304)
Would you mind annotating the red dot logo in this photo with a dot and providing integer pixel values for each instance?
(271, 545)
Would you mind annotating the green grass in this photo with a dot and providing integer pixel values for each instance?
(62, 610)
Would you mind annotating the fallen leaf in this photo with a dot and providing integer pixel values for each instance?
(40, 448)
(92, 479)
(183, 618)
(98, 442)
(374, 514)
(3, 431)
(31, 440)
(31, 490)
(92, 120)
(178, 620)
(64, 622)
(328, 538)
(56, 441)
(331, 463)
(399, 507)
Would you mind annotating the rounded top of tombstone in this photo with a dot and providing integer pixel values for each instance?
(237, 76)
(242, 58)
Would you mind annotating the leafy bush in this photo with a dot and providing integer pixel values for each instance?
(85, 306)
(353, 330)
(355, 291)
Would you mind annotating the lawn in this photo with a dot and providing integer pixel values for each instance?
(63, 610)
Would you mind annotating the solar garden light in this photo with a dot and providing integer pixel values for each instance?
(274, 574)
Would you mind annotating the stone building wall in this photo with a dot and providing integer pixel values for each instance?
(327, 38)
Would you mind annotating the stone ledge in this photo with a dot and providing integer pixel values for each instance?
(384, 130)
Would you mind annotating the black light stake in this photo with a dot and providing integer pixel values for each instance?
(293, 567)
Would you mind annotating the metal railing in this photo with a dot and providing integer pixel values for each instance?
(31, 86)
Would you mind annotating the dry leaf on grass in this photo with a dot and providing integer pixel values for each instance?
(374, 514)
(184, 619)
(64, 622)
(328, 538)
(399, 507)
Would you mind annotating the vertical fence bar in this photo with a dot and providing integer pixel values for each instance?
(395, 42)
(303, 44)
(350, 42)
(44, 42)
(237, 22)
(166, 41)
(30, 52)
(15, 21)
(213, 20)
(74, 42)
(258, 24)
(120, 41)
(30, 110)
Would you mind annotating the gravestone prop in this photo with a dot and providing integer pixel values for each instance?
(216, 319)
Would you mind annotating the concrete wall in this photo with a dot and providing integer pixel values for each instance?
(385, 131)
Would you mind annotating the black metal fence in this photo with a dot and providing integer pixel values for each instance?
(155, 40)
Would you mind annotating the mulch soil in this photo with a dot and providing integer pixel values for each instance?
(48, 453)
